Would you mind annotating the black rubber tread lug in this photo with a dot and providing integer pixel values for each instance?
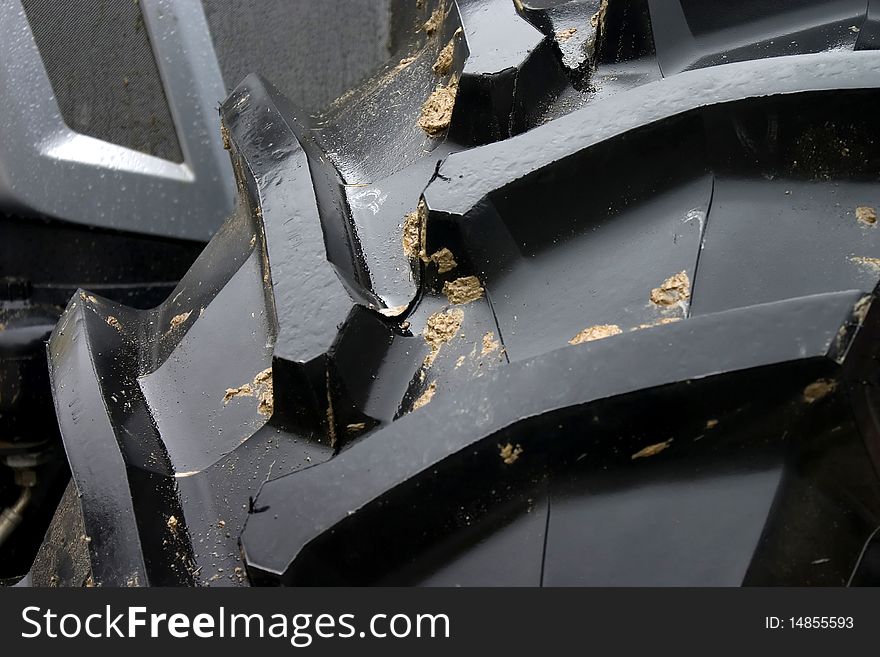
(574, 25)
(466, 178)
(687, 36)
(506, 80)
(466, 429)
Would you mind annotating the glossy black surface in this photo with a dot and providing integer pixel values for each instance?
(578, 434)
(743, 176)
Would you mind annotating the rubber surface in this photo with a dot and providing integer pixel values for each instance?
(652, 362)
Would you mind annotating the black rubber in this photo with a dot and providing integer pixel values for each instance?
(323, 400)
(42, 263)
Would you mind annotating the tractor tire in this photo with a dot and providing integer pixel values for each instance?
(575, 293)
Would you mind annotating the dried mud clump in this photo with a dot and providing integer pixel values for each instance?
(596, 333)
(437, 110)
(415, 232)
(674, 290)
(444, 260)
(241, 391)
(818, 389)
(260, 387)
(866, 215)
(510, 453)
(112, 321)
(651, 450)
(264, 392)
(444, 60)
(426, 397)
(463, 290)
(564, 35)
(490, 344)
(434, 22)
(412, 234)
(177, 320)
(440, 329)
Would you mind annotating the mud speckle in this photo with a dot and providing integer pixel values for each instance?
(490, 344)
(440, 329)
(596, 332)
(860, 310)
(864, 261)
(436, 112)
(674, 290)
(404, 63)
(711, 424)
(597, 20)
(444, 260)
(510, 453)
(818, 390)
(112, 321)
(393, 311)
(426, 397)
(564, 35)
(444, 60)
(651, 450)
(866, 215)
(463, 290)
(659, 322)
(331, 414)
(177, 320)
(172, 523)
